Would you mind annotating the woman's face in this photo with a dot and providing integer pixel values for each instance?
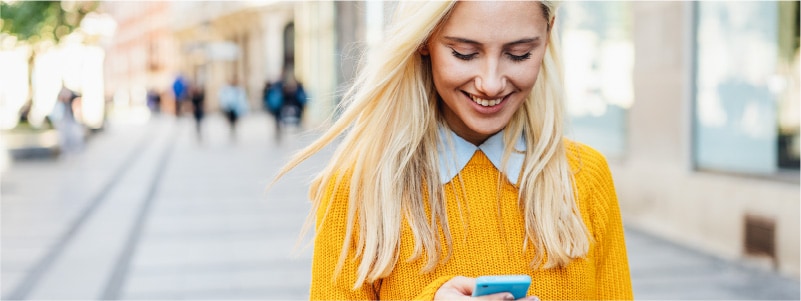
(485, 59)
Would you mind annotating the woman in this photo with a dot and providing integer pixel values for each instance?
(453, 165)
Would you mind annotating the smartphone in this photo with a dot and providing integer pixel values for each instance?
(515, 284)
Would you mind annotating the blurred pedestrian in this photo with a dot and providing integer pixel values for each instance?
(233, 102)
(179, 90)
(273, 99)
(294, 98)
(265, 96)
(70, 131)
(451, 164)
(285, 100)
(197, 96)
(154, 101)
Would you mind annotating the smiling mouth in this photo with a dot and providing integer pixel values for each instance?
(485, 102)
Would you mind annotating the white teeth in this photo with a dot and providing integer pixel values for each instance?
(484, 102)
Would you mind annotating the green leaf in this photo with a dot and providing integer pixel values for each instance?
(39, 20)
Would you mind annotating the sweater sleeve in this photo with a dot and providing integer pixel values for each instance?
(332, 218)
(612, 270)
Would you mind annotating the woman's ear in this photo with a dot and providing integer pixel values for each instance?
(423, 50)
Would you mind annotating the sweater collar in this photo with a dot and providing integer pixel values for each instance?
(454, 153)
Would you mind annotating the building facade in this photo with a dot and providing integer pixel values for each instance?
(700, 123)
(223, 41)
(139, 56)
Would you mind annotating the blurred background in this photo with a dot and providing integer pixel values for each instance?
(137, 140)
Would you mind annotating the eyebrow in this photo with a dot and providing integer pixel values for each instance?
(468, 41)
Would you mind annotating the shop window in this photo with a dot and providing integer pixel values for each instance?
(746, 106)
(596, 37)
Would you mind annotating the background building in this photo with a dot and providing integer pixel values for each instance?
(140, 57)
(221, 41)
(696, 105)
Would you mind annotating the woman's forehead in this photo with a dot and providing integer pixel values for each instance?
(494, 19)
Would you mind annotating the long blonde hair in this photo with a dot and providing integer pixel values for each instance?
(388, 155)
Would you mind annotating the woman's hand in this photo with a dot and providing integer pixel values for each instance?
(461, 288)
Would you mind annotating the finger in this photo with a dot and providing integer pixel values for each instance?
(531, 298)
(463, 284)
(457, 288)
(462, 280)
(499, 296)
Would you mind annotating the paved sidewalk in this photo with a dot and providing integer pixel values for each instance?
(661, 270)
(149, 212)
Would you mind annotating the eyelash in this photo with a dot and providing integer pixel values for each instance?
(467, 57)
(520, 58)
(464, 57)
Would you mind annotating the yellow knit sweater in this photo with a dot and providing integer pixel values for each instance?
(484, 244)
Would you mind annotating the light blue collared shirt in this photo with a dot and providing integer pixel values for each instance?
(455, 152)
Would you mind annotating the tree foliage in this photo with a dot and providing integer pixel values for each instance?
(43, 20)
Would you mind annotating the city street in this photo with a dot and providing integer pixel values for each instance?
(151, 212)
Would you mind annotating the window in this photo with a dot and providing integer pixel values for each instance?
(596, 37)
(746, 109)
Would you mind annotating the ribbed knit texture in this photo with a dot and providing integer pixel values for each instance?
(488, 236)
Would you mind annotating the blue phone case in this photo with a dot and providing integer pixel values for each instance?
(515, 284)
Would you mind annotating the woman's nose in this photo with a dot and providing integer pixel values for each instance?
(491, 81)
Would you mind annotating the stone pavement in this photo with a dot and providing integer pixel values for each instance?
(149, 212)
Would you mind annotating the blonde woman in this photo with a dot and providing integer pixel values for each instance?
(453, 165)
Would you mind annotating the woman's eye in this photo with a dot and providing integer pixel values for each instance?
(464, 57)
(519, 58)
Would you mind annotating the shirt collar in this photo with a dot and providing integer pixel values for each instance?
(455, 152)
